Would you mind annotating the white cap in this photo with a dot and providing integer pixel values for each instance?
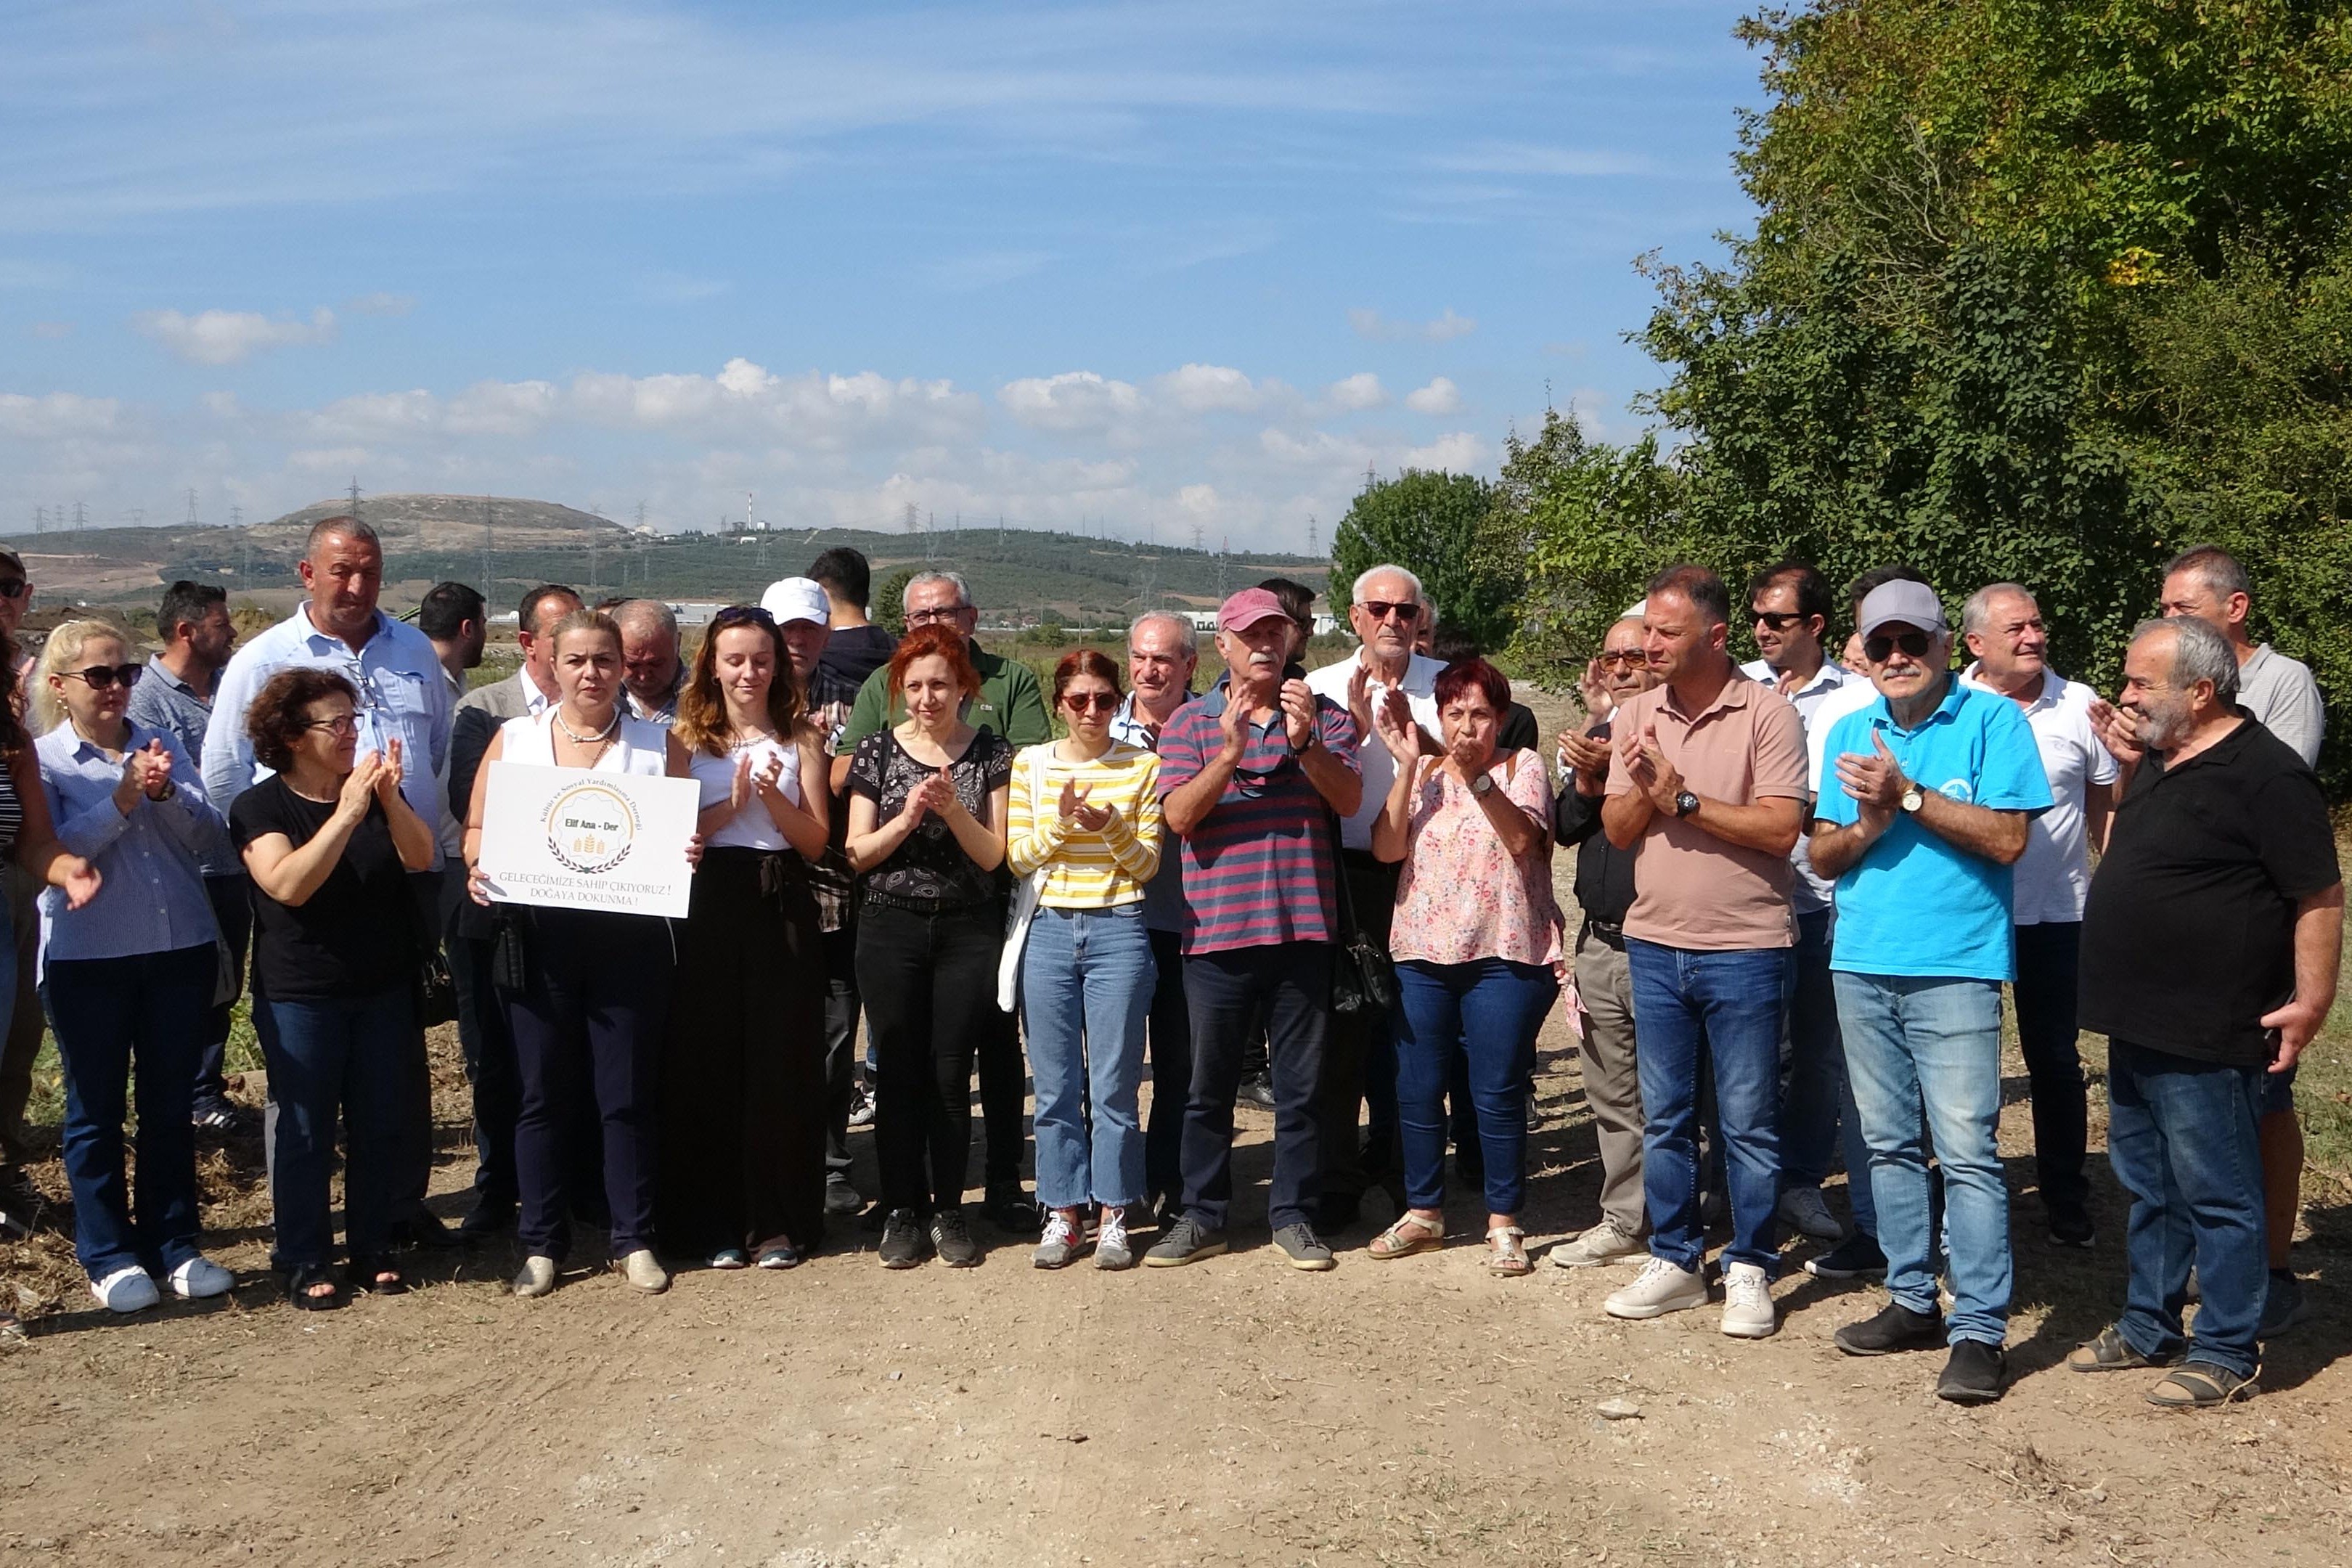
(796, 599)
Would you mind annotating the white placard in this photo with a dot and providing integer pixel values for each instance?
(573, 838)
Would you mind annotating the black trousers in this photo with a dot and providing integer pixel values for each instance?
(1171, 1033)
(929, 983)
(412, 1168)
(1360, 1060)
(489, 1048)
(841, 1007)
(2048, 962)
(1288, 984)
(231, 897)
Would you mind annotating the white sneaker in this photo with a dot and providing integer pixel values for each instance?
(1748, 1312)
(125, 1290)
(1607, 1242)
(1802, 1211)
(1659, 1288)
(199, 1277)
(537, 1278)
(643, 1271)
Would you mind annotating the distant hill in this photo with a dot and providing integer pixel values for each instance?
(505, 545)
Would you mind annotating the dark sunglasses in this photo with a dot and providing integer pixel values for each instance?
(14, 587)
(101, 676)
(742, 616)
(1626, 657)
(1778, 620)
(1382, 609)
(1913, 644)
(1096, 701)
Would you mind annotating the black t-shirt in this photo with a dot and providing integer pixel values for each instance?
(356, 935)
(1519, 732)
(2188, 936)
(853, 653)
(929, 865)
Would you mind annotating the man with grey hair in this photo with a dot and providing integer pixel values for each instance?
(2209, 951)
(2278, 693)
(1010, 702)
(1922, 811)
(1162, 653)
(2003, 628)
(652, 673)
(1385, 610)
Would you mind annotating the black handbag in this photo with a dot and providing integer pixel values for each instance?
(432, 991)
(1363, 976)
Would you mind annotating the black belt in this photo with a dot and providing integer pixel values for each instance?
(1608, 933)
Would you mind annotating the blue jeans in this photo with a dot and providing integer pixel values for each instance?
(1086, 987)
(2182, 1139)
(1487, 1010)
(1288, 986)
(1933, 1042)
(324, 1055)
(1731, 1003)
(106, 1011)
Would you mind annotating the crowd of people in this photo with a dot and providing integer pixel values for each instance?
(1801, 887)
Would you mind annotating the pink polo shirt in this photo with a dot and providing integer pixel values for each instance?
(1692, 889)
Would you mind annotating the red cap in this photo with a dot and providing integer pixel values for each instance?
(1247, 609)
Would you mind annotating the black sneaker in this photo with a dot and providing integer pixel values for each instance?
(424, 1228)
(21, 1203)
(903, 1241)
(489, 1216)
(1190, 1242)
(1975, 1374)
(1897, 1327)
(2283, 1306)
(1257, 1090)
(1305, 1248)
(951, 1239)
(1855, 1257)
(840, 1197)
(2072, 1227)
(1011, 1209)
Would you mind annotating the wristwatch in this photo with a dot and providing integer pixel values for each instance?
(1684, 803)
(1483, 785)
(1913, 795)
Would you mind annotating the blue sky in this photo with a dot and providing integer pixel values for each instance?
(1165, 266)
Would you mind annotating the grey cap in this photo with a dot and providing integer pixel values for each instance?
(1904, 604)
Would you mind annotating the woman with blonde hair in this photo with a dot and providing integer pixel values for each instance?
(595, 985)
(126, 976)
(743, 1089)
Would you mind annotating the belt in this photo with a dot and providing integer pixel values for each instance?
(1608, 933)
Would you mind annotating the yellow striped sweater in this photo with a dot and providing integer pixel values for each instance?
(1086, 870)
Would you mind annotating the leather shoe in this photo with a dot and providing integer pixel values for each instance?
(487, 1218)
(840, 1197)
(424, 1228)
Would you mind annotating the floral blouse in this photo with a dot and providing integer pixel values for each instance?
(929, 867)
(1461, 897)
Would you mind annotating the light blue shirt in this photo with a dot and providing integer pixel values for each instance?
(404, 692)
(150, 896)
(161, 700)
(1915, 904)
(1163, 896)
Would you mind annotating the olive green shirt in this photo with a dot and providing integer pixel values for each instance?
(1011, 702)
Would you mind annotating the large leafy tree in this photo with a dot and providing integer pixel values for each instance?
(1430, 523)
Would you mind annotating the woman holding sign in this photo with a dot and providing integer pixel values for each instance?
(743, 1145)
(587, 1008)
(927, 811)
(329, 841)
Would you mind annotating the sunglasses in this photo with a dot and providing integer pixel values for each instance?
(1382, 609)
(1913, 644)
(1778, 620)
(14, 587)
(1091, 701)
(341, 724)
(1629, 658)
(742, 616)
(101, 676)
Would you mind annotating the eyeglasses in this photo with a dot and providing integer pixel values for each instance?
(101, 676)
(1628, 656)
(1913, 644)
(1778, 620)
(940, 615)
(1091, 701)
(14, 587)
(1382, 609)
(338, 726)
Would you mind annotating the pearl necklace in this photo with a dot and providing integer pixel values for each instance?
(607, 733)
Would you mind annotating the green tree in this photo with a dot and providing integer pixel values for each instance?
(890, 602)
(1430, 523)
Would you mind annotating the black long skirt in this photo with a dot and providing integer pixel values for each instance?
(742, 1098)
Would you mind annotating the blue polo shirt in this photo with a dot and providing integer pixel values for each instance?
(1915, 904)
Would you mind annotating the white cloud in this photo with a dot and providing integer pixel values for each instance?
(1369, 323)
(1440, 397)
(1460, 452)
(54, 416)
(1073, 400)
(381, 304)
(1360, 391)
(1209, 388)
(225, 337)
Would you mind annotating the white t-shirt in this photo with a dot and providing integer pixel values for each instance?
(1809, 894)
(1855, 696)
(2052, 878)
(1420, 687)
(750, 827)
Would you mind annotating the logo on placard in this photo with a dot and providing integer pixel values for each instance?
(590, 827)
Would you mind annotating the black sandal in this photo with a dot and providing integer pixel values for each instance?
(302, 1278)
(2200, 1385)
(378, 1276)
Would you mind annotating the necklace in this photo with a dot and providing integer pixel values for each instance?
(577, 739)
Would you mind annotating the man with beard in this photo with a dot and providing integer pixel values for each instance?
(2209, 951)
(1604, 886)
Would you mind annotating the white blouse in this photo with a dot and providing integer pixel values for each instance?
(641, 747)
(750, 827)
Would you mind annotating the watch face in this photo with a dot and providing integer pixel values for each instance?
(1911, 799)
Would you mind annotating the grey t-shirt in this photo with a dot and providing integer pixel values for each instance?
(2278, 693)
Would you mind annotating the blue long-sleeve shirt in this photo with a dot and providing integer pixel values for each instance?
(150, 897)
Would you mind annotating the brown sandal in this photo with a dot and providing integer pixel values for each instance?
(2200, 1385)
(1397, 1241)
(1508, 1260)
